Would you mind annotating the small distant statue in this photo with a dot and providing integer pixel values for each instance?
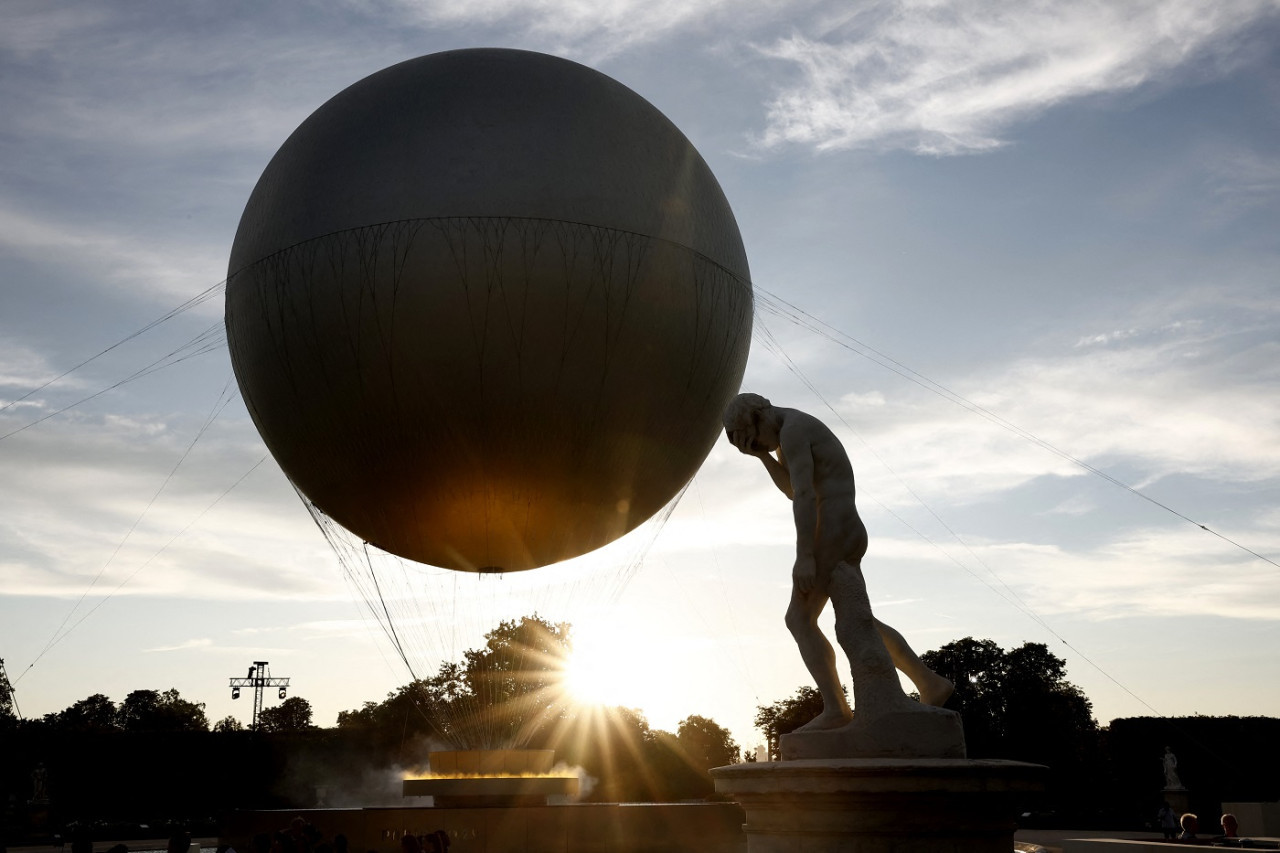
(1171, 780)
(809, 465)
(39, 784)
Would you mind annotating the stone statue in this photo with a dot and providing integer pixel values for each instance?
(39, 784)
(809, 465)
(1171, 769)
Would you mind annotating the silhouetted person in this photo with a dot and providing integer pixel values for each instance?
(1230, 826)
(81, 839)
(1168, 819)
(179, 842)
(1190, 826)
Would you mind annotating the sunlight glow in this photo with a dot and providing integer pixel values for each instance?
(598, 672)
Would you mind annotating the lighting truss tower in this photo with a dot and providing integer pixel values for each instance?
(259, 679)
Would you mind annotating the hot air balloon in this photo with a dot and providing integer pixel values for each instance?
(485, 308)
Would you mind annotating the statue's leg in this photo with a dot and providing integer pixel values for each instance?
(819, 658)
(933, 688)
(875, 679)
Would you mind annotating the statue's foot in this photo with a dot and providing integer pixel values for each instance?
(911, 730)
(828, 719)
(936, 690)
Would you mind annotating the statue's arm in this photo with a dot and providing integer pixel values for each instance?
(778, 471)
(804, 508)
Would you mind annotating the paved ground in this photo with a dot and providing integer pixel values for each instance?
(206, 844)
(1053, 838)
(1050, 838)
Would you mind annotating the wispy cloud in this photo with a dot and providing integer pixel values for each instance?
(115, 260)
(593, 31)
(949, 78)
(194, 643)
(104, 472)
(1151, 572)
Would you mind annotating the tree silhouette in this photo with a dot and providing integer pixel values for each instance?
(228, 724)
(96, 713)
(787, 715)
(706, 743)
(291, 715)
(1016, 704)
(504, 694)
(150, 711)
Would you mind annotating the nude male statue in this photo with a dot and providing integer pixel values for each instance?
(811, 468)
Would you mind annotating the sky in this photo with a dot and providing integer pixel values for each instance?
(1066, 214)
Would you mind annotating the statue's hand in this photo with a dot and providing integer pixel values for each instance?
(804, 574)
(741, 439)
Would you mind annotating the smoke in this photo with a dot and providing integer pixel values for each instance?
(339, 781)
(586, 784)
(373, 786)
(343, 781)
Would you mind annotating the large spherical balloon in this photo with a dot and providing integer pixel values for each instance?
(486, 307)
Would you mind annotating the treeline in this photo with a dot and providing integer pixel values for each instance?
(1018, 705)
(155, 758)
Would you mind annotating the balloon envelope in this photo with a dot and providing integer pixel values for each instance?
(486, 307)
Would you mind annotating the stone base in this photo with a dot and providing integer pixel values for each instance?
(1179, 799)
(924, 733)
(881, 805)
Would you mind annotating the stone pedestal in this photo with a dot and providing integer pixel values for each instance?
(1179, 799)
(921, 732)
(860, 805)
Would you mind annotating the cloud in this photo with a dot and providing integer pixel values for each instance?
(592, 30)
(119, 261)
(194, 643)
(22, 368)
(949, 78)
(1189, 394)
(1148, 572)
(78, 505)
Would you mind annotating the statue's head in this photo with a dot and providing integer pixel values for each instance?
(742, 411)
(742, 418)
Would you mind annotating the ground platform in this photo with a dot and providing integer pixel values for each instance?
(578, 828)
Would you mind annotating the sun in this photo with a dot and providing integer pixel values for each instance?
(601, 669)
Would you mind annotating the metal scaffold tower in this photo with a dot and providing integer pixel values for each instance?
(259, 679)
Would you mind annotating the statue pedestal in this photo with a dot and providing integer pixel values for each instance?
(878, 805)
(1179, 799)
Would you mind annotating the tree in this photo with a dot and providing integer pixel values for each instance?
(507, 693)
(149, 711)
(291, 715)
(1016, 704)
(8, 710)
(787, 715)
(96, 713)
(228, 724)
(705, 743)
(1019, 705)
(518, 677)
